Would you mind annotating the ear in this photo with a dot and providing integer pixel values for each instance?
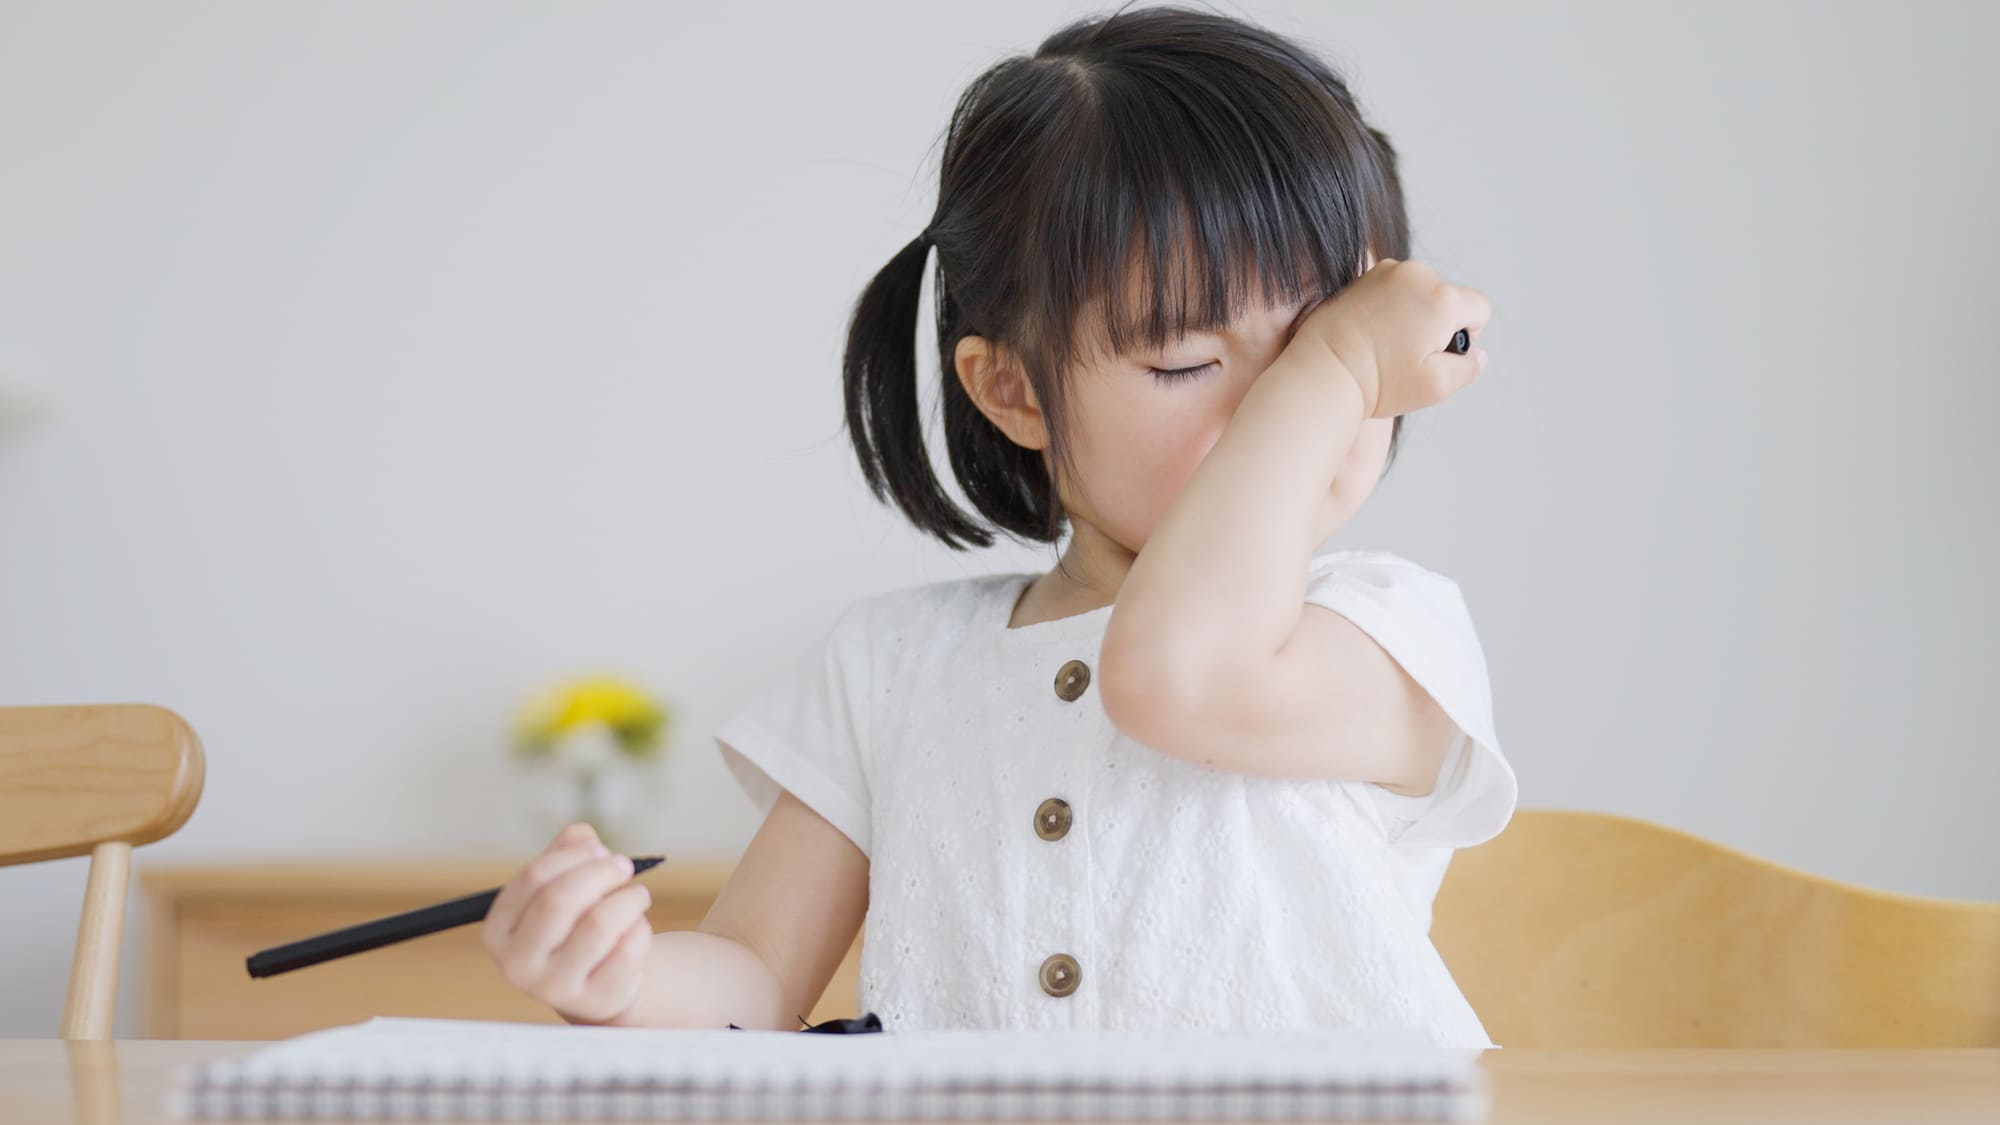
(999, 386)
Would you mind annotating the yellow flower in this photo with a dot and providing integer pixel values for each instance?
(634, 718)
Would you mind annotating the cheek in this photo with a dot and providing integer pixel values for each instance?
(1142, 454)
(1163, 458)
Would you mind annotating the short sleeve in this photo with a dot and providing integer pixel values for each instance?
(807, 732)
(1420, 618)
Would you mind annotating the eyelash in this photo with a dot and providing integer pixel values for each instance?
(1182, 374)
(1179, 374)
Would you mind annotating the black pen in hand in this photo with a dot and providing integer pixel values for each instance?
(386, 931)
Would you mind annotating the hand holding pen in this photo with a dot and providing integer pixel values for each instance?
(570, 928)
(1386, 328)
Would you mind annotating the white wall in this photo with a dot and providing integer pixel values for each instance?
(391, 361)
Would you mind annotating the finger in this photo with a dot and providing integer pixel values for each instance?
(578, 834)
(568, 850)
(595, 935)
(503, 917)
(576, 830)
(1449, 371)
(1471, 309)
(630, 952)
(613, 984)
(1470, 313)
(546, 921)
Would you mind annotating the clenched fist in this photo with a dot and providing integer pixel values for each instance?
(1391, 329)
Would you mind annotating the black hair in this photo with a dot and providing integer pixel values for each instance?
(1197, 151)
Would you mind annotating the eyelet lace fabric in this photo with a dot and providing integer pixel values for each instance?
(930, 733)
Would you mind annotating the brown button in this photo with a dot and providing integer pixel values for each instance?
(1052, 819)
(1060, 975)
(1071, 680)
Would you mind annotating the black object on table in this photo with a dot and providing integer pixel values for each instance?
(385, 931)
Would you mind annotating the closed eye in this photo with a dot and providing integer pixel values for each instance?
(1177, 374)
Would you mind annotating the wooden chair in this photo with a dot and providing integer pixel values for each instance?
(96, 780)
(1577, 929)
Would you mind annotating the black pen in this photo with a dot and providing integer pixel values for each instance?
(385, 931)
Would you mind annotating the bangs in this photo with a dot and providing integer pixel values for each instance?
(1188, 192)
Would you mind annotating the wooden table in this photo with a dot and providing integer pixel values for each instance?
(43, 1080)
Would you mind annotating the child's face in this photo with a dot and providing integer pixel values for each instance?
(1136, 439)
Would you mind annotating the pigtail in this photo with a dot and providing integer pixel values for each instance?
(884, 420)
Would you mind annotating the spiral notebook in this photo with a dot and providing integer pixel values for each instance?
(392, 1068)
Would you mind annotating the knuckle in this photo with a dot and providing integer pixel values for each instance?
(548, 983)
(547, 910)
(601, 922)
(511, 896)
(566, 856)
(568, 900)
(631, 906)
(541, 869)
(589, 881)
(513, 972)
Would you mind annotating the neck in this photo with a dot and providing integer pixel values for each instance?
(1093, 568)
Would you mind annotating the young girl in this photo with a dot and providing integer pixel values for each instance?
(1196, 774)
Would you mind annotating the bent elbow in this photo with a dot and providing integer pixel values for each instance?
(1151, 697)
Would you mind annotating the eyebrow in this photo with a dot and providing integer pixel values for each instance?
(1215, 331)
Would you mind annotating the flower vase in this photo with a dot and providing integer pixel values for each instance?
(590, 806)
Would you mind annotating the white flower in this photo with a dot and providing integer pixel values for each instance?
(587, 749)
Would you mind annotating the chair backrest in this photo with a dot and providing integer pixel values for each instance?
(94, 780)
(1579, 929)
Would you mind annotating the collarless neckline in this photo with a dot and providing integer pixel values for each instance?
(1055, 629)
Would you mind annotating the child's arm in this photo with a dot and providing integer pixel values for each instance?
(772, 939)
(570, 931)
(1212, 653)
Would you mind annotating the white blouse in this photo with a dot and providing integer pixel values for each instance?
(1032, 867)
